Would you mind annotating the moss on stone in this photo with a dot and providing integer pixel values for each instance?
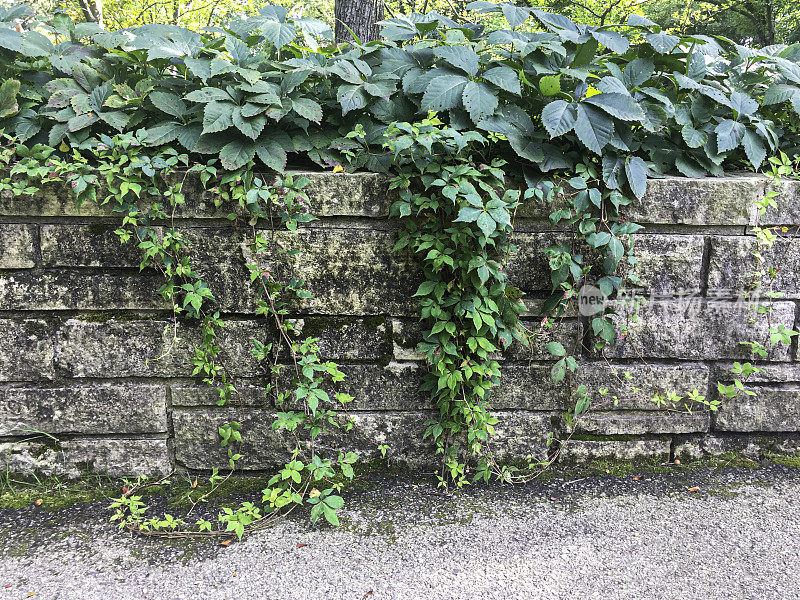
(19, 491)
(786, 460)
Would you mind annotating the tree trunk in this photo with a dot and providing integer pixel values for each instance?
(361, 16)
(92, 11)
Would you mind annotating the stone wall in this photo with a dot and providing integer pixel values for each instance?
(91, 378)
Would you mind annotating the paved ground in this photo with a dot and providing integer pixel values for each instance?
(738, 537)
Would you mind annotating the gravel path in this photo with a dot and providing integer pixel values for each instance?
(738, 537)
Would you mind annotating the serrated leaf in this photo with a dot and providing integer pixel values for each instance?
(81, 122)
(637, 72)
(463, 58)
(278, 34)
(780, 92)
(8, 97)
(743, 104)
(621, 106)
(636, 170)
(444, 92)
(307, 108)
(754, 148)
(729, 135)
(693, 137)
(218, 116)
(505, 78)
(251, 127)
(662, 42)
(515, 15)
(199, 67)
(612, 40)
(116, 118)
(272, 153)
(207, 94)
(163, 133)
(237, 153)
(168, 103)
(559, 117)
(351, 97)
(593, 128)
(479, 100)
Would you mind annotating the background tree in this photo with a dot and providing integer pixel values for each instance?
(358, 18)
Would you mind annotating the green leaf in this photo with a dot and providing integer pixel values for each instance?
(559, 117)
(662, 42)
(8, 97)
(754, 148)
(351, 97)
(444, 92)
(163, 133)
(116, 118)
(251, 127)
(479, 100)
(593, 128)
(729, 135)
(486, 224)
(237, 153)
(692, 137)
(743, 104)
(505, 78)
(612, 40)
(461, 57)
(272, 153)
(621, 106)
(636, 171)
(218, 116)
(307, 108)
(515, 15)
(81, 122)
(277, 33)
(555, 348)
(780, 92)
(637, 72)
(168, 103)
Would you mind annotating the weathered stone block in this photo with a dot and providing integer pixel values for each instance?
(16, 246)
(52, 200)
(145, 348)
(116, 408)
(669, 264)
(27, 352)
(788, 201)
(348, 338)
(116, 457)
(87, 246)
(348, 271)
(63, 290)
(248, 394)
(708, 201)
(641, 423)
(768, 410)
(731, 265)
(348, 194)
(580, 451)
(529, 387)
(771, 373)
(633, 386)
(31, 457)
(696, 329)
(197, 438)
